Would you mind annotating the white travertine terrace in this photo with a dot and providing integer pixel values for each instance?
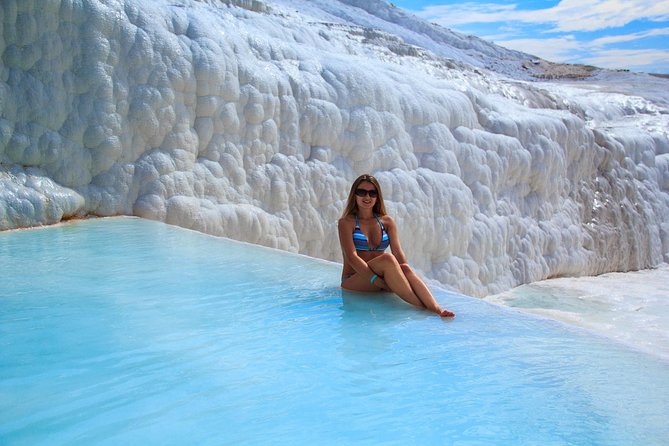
(250, 120)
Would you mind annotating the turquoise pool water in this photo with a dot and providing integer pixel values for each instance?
(127, 331)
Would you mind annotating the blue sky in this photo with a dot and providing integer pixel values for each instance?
(617, 34)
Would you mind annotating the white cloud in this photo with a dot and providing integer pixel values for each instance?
(568, 15)
(630, 37)
(629, 58)
(592, 15)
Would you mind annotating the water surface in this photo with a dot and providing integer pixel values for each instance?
(128, 331)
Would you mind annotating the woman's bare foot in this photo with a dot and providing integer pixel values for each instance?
(446, 313)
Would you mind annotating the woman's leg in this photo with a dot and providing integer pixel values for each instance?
(401, 280)
(423, 292)
(389, 270)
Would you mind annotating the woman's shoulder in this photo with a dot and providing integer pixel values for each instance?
(387, 221)
(347, 220)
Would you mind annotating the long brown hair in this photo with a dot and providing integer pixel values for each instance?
(351, 205)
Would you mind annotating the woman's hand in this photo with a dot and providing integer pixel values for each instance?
(379, 283)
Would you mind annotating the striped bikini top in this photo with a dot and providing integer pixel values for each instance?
(360, 241)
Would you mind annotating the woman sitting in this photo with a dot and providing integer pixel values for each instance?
(365, 231)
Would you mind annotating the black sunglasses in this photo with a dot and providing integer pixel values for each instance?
(362, 192)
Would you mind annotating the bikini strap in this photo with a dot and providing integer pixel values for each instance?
(357, 226)
(383, 228)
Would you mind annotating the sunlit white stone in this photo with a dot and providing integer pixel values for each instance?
(250, 121)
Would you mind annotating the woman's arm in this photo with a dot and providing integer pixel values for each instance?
(348, 249)
(395, 246)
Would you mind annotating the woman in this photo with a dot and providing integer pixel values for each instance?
(365, 231)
